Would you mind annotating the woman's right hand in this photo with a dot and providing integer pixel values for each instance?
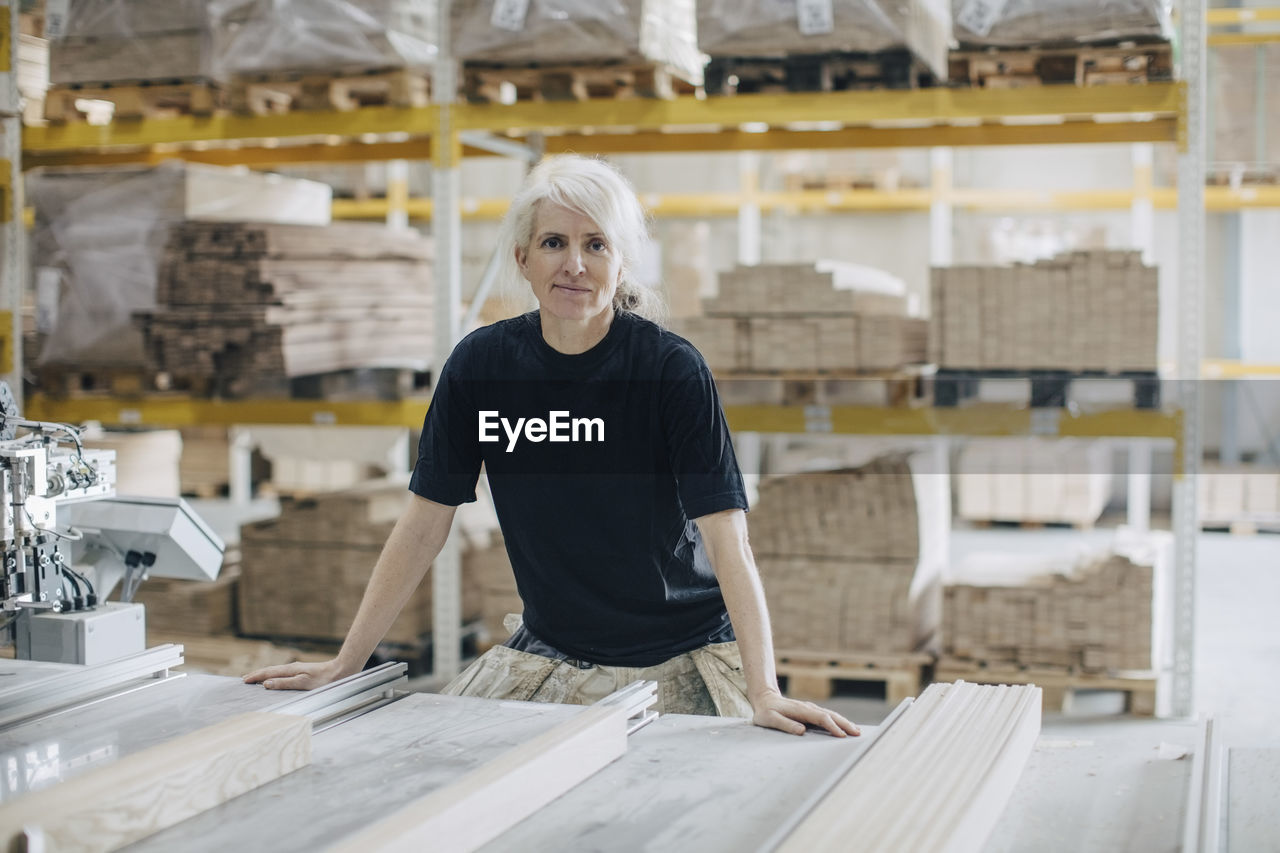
(297, 676)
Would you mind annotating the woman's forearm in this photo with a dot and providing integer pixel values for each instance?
(413, 544)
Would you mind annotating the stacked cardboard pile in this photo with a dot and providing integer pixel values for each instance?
(1029, 22)
(1094, 310)
(1238, 493)
(1095, 615)
(839, 554)
(205, 467)
(303, 574)
(97, 42)
(1036, 479)
(791, 317)
(192, 607)
(246, 307)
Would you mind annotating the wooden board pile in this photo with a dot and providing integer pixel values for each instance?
(96, 42)
(1065, 481)
(791, 317)
(490, 569)
(1094, 615)
(839, 555)
(1078, 311)
(650, 32)
(246, 307)
(303, 574)
(1238, 493)
(192, 607)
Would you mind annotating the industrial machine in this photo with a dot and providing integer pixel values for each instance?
(68, 540)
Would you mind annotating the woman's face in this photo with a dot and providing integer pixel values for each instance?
(571, 266)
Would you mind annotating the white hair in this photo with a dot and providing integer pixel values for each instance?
(598, 191)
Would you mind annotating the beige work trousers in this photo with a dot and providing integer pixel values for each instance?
(706, 681)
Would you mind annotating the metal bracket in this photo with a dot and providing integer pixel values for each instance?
(638, 697)
(348, 698)
(499, 145)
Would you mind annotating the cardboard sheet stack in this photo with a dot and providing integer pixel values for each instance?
(769, 28)
(840, 556)
(1089, 310)
(303, 574)
(246, 307)
(100, 237)
(100, 41)
(1017, 23)
(1094, 614)
(1238, 493)
(1035, 479)
(791, 317)
(192, 607)
(657, 32)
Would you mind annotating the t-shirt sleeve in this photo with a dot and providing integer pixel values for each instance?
(449, 458)
(699, 445)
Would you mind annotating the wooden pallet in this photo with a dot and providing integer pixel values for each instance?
(63, 382)
(813, 675)
(1023, 524)
(820, 72)
(268, 94)
(890, 388)
(1092, 66)
(1241, 528)
(134, 99)
(1058, 684)
(486, 84)
(1053, 389)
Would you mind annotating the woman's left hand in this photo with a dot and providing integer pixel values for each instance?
(775, 711)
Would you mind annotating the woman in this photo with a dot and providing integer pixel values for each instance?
(613, 476)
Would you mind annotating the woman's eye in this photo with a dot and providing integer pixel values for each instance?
(598, 245)
(551, 243)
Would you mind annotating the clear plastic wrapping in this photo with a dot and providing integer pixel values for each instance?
(99, 239)
(1015, 23)
(767, 28)
(116, 40)
(564, 31)
(1244, 111)
(265, 36)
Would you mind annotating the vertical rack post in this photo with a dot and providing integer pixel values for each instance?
(446, 231)
(1191, 225)
(12, 237)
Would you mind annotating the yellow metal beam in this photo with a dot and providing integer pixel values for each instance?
(415, 121)
(254, 156)
(1228, 17)
(937, 106)
(187, 411)
(1236, 39)
(1231, 369)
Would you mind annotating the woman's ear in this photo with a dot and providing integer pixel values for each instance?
(521, 256)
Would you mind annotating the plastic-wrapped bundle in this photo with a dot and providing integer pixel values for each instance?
(1243, 135)
(776, 28)
(110, 40)
(264, 36)
(100, 236)
(565, 31)
(1013, 23)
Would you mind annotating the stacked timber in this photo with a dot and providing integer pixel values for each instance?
(490, 569)
(247, 307)
(840, 557)
(793, 317)
(1037, 480)
(1230, 495)
(129, 40)
(205, 468)
(206, 608)
(1024, 23)
(303, 573)
(1078, 311)
(1093, 614)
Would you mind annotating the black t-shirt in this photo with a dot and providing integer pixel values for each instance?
(596, 489)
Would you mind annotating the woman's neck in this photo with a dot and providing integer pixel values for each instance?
(574, 337)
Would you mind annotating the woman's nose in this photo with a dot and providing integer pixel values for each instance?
(573, 263)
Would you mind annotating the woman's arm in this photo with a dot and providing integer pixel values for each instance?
(414, 542)
(725, 536)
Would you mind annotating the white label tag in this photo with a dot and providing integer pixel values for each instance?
(48, 288)
(509, 14)
(815, 17)
(55, 18)
(979, 16)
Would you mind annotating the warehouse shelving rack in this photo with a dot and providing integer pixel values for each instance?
(1154, 112)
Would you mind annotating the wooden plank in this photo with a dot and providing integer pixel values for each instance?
(159, 787)
(498, 795)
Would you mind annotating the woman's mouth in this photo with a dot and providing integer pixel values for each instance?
(571, 288)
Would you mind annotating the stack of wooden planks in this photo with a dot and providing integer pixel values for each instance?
(839, 555)
(1231, 495)
(129, 40)
(303, 573)
(245, 307)
(192, 607)
(1091, 615)
(490, 569)
(1079, 311)
(955, 754)
(792, 317)
(1039, 480)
